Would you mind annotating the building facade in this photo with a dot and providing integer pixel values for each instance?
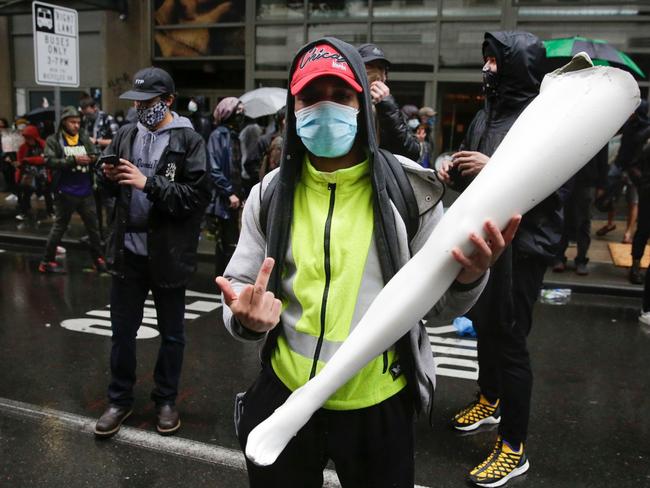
(220, 48)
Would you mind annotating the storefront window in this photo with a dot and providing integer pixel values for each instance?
(275, 46)
(195, 43)
(350, 33)
(461, 44)
(275, 9)
(271, 83)
(405, 8)
(174, 12)
(621, 35)
(459, 103)
(409, 47)
(338, 9)
(474, 8)
(550, 10)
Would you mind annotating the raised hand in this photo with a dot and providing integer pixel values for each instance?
(255, 308)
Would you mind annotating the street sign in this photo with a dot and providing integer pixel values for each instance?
(56, 45)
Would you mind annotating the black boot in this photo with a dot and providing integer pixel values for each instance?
(635, 272)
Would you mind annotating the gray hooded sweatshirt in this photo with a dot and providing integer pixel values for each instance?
(148, 148)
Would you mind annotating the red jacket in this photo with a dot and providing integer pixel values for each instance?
(31, 155)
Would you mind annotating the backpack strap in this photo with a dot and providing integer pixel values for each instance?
(402, 194)
(266, 195)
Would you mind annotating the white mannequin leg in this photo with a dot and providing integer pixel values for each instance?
(575, 115)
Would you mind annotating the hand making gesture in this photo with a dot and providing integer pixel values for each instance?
(255, 308)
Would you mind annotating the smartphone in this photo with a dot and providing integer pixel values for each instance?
(110, 159)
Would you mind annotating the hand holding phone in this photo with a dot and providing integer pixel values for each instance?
(109, 160)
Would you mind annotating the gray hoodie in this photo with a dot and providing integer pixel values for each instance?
(148, 148)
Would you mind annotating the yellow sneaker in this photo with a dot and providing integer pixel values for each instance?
(477, 413)
(502, 465)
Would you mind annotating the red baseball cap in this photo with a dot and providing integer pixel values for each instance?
(322, 60)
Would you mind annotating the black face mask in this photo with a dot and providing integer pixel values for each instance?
(490, 83)
(236, 121)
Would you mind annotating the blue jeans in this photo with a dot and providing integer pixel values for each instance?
(127, 302)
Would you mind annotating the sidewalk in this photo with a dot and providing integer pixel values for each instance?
(604, 277)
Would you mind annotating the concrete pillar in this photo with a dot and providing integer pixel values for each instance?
(6, 88)
(127, 48)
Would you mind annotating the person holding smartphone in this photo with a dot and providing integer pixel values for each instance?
(69, 153)
(157, 172)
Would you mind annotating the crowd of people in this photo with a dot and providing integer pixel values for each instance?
(320, 203)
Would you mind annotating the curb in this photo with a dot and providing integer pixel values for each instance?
(618, 290)
(13, 239)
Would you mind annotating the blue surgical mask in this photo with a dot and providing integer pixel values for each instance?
(327, 129)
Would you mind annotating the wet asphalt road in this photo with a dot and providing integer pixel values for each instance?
(589, 424)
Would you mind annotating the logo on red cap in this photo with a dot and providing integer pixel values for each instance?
(322, 60)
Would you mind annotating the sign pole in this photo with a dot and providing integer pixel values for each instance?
(57, 106)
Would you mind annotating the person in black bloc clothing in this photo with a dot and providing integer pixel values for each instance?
(156, 169)
(393, 133)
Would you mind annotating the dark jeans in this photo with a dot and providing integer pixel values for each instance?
(228, 235)
(127, 302)
(577, 223)
(64, 206)
(643, 225)
(24, 194)
(371, 447)
(504, 363)
(641, 239)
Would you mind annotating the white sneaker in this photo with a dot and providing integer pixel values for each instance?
(60, 250)
(644, 318)
(11, 198)
(20, 217)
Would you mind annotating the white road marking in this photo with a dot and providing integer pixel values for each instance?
(179, 446)
(447, 347)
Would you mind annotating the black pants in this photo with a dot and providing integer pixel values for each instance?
(504, 363)
(228, 235)
(641, 239)
(24, 194)
(371, 447)
(577, 224)
(643, 225)
(64, 206)
(127, 301)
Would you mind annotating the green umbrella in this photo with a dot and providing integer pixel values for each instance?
(601, 52)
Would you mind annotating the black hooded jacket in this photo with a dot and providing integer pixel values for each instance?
(520, 64)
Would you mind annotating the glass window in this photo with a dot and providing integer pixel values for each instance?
(459, 103)
(563, 10)
(196, 43)
(350, 33)
(461, 44)
(276, 9)
(621, 35)
(405, 8)
(174, 12)
(209, 78)
(275, 46)
(271, 83)
(475, 8)
(338, 9)
(409, 47)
